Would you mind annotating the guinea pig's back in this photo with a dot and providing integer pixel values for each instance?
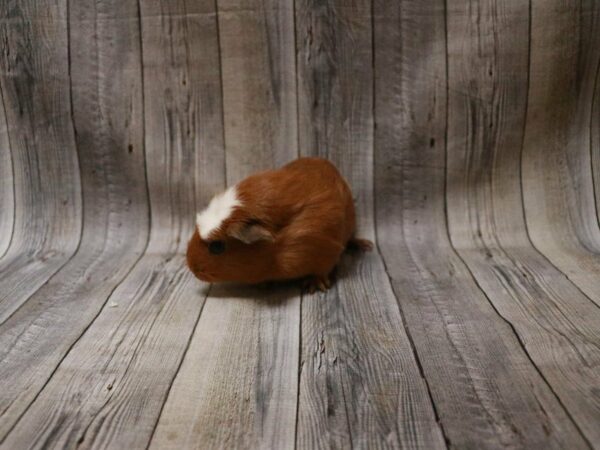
(325, 193)
(307, 192)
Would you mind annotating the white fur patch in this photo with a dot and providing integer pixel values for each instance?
(219, 209)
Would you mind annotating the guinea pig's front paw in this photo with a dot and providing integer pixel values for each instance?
(314, 282)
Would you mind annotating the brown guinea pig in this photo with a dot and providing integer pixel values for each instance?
(290, 223)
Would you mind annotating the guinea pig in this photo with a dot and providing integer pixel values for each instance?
(290, 223)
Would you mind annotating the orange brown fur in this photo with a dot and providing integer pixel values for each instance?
(303, 217)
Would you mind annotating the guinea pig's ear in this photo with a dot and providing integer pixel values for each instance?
(250, 232)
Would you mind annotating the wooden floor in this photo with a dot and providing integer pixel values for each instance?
(470, 133)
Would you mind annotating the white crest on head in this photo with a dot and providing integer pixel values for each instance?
(218, 210)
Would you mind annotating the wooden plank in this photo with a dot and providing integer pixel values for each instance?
(589, 26)
(486, 391)
(107, 110)
(588, 69)
(557, 324)
(113, 382)
(259, 83)
(237, 386)
(360, 384)
(335, 101)
(227, 394)
(99, 348)
(36, 109)
(561, 210)
(488, 57)
(109, 389)
(7, 188)
(184, 115)
(595, 140)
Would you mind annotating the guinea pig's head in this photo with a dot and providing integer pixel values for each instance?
(230, 243)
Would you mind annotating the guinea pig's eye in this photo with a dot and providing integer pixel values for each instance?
(216, 247)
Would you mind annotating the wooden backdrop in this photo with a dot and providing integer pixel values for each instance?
(470, 133)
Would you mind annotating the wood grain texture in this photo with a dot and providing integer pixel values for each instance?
(106, 116)
(557, 324)
(486, 391)
(588, 37)
(259, 84)
(109, 389)
(232, 395)
(7, 188)
(359, 383)
(353, 392)
(184, 116)
(560, 207)
(469, 132)
(335, 100)
(127, 358)
(237, 386)
(45, 173)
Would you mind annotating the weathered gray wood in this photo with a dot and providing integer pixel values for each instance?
(335, 101)
(7, 188)
(589, 39)
(237, 386)
(360, 384)
(114, 397)
(45, 174)
(558, 326)
(227, 394)
(107, 114)
(109, 389)
(259, 83)
(114, 120)
(557, 176)
(487, 392)
(184, 116)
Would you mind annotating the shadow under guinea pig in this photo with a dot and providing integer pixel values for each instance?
(271, 293)
(278, 292)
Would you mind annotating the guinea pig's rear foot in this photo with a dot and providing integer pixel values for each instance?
(314, 282)
(363, 245)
